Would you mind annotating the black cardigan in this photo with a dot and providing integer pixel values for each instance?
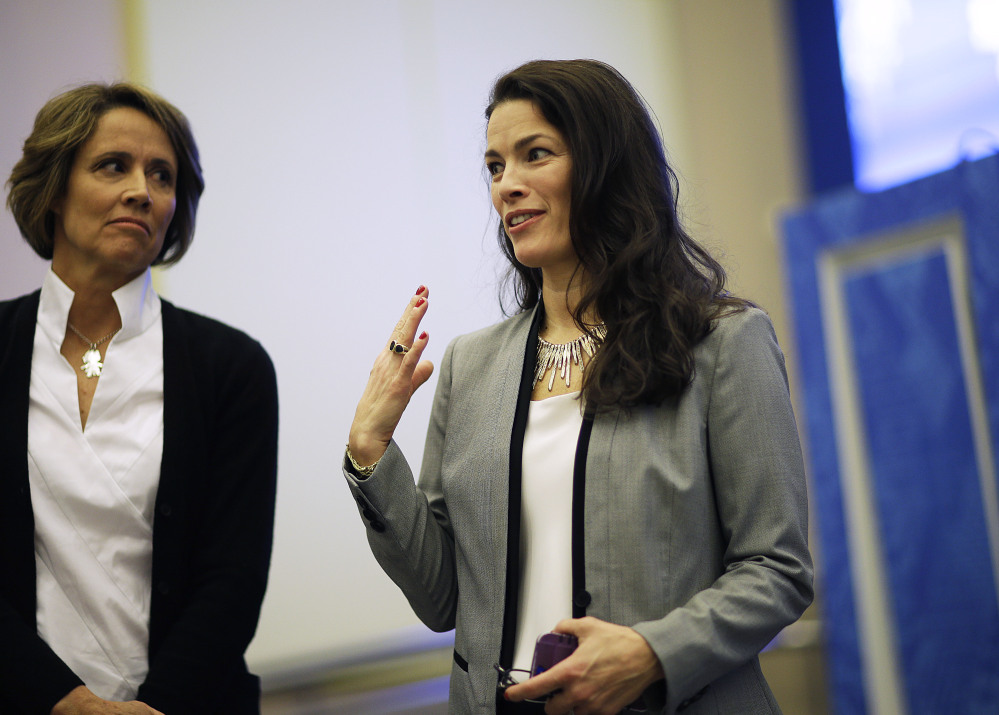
(212, 528)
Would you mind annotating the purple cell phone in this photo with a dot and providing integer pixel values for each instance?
(549, 649)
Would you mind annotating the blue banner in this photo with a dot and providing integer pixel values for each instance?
(896, 304)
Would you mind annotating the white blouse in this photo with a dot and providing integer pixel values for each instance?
(93, 491)
(553, 426)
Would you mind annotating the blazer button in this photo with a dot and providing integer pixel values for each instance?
(163, 587)
(166, 509)
(368, 514)
(582, 599)
(378, 526)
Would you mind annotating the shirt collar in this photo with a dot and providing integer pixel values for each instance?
(138, 306)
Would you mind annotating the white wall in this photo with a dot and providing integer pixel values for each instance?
(46, 46)
(341, 142)
(342, 146)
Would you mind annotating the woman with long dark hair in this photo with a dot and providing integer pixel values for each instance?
(617, 462)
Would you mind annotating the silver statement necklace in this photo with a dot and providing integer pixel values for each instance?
(560, 358)
(92, 364)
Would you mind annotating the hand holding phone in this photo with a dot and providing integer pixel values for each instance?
(549, 649)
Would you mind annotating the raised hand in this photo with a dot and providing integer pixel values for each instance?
(397, 373)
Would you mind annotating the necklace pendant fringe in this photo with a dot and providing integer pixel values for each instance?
(561, 358)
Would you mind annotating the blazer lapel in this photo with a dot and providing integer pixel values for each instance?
(519, 427)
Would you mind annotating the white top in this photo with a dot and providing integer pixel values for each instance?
(93, 491)
(550, 441)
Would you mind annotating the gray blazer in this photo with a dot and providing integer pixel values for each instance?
(695, 516)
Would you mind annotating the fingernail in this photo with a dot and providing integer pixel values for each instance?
(420, 289)
(423, 335)
(506, 695)
(420, 302)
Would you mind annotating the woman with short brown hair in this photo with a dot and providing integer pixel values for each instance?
(139, 447)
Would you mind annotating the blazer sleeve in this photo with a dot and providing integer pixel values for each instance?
(214, 517)
(758, 482)
(408, 527)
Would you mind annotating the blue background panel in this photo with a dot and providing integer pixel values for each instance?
(845, 220)
(925, 483)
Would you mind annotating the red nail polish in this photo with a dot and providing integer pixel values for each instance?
(423, 335)
(420, 289)
(420, 302)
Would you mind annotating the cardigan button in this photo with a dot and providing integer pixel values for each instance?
(166, 509)
(163, 587)
(369, 515)
(582, 599)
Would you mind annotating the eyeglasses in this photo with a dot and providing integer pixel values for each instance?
(507, 678)
(514, 676)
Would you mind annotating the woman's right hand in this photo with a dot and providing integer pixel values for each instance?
(391, 384)
(81, 701)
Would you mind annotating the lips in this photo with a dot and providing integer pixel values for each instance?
(131, 221)
(516, 220)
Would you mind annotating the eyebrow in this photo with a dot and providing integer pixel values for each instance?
(518, 145)
(156, 160)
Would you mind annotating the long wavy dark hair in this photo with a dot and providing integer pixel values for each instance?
(655, 288)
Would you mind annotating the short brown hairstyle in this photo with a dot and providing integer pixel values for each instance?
(63, 125)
